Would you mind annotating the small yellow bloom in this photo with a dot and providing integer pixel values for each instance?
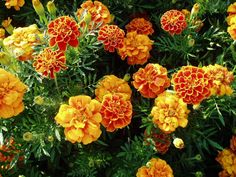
(178, 143)
(195, 9)
(14, 3)
(28, 136)
(7, 25)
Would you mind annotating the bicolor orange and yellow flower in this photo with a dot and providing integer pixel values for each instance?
(12, 91)
(140, 25)
(14, 3)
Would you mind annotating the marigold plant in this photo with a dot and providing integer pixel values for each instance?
(12, 91)
(14, 3)
(136, 48)
(62, 31)
(192, 84)
(112, 37)
(173, 22)
(112, 84)
(140, 25)
(169, 112)
(154, 168)
(151, 80)
(81, 119)
(50, 62)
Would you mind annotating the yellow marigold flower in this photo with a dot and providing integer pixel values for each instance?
(233, 143)
(112, 84)
(232, 9)
(156, 167)
(7, 25)
(169, 112)
(151, 80)
(11, 94)
(222, 79)
(81, 119)
(98, 12)
(140, 25)
(231, 19)
(20, 44)
(178, 143)
(232, 31)
(227, 159)
(14, 3)
(2, 33)
(136, 48)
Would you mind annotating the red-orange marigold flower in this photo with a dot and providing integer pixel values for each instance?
(112, 37)
(136, 48)
(151, 80)
(140, 25)
(48, 62)
(233, 143)
(192, 84)
(100, 14)
(173, 21)
(62, 31)
(116, 111)
(112, 84)
(232, 9)
(156, 167)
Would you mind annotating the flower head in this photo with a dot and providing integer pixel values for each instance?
(233, 143)
(178, 143)
(2, 33)
(14, 3)
(232, 9)
(81, 119)
(155, 167)
(192, 84)
(116, 111)
(140, 25)
(151, 80)
(99, 13)
(48, 62)
(112, 84)
(136, 48)
(232, 31)
(62, 31)
(11, 95)
(20, 44)
(112, 37)
(169, 112)
(222, 79)
(173, 21)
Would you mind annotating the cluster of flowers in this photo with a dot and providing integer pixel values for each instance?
(231, 20)
(227, 159)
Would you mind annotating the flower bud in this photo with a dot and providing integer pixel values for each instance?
(38, 100)
(178, 143)
(51, 8)
(87, 18)
(39, 9)
(195, 9)
(7, 25)
(126, 77)
(28, 136)
(50, 138)
(198, 157)
(199, 174)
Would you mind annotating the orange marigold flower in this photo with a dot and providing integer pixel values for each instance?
(48, 62)
(169, 112)
(136, 48)
(233, 143)
(112, 84)
(14, 3)
(140, 25)
(159, 140)
(227, 160)
(112, 37)
(192, 84)
(12, 91)
(232, 9)
(231, 19)
(99, 13)
(62, 31)
(173, 21)
(222, 79)
(116, 111)
(81, 119)
(154, 168)
(151, 80)
(232, 31)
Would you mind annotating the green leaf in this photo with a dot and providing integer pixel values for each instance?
(215, 144)
(57, 134)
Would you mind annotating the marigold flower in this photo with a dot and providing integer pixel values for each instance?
(2, 33)
(20, 44)
(178, 143)
(159, 140)
(233, 143)
(14, 3)
(169, 112)
(231, 20)
(81, 119)
(151, 80)
(11, 94)
(173, 22)
(7, 25)
(100, 14)
(112, 37)
(116, 111)
(155, 167)
(62, 31)
(112, 84)
(222, 79)
(223, 174)
(192, 84)
(232, 9)
(48, 62)
(232, 31)
(136, 48)
(227, 160)
(140, 25)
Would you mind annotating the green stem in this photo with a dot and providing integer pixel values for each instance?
(56, 83)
